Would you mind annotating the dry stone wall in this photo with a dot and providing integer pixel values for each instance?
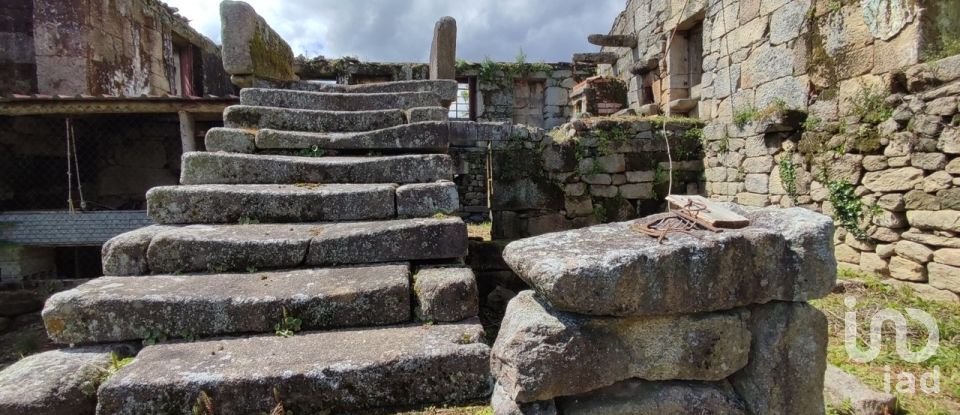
(582, 173)
(886, 167)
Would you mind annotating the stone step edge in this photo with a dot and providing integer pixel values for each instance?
(337, 101)
(237, 168)
(234, 203)
(340, 371)
(163, 249)
(116, 309)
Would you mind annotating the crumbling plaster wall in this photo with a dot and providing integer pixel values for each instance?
(117, 47)
(18, 64)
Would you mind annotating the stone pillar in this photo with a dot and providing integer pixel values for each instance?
(188, 132)
(252, 51)
(443, 52)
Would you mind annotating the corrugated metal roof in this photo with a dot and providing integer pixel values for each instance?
(61, 228)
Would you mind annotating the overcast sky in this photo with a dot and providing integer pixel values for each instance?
(401, 30)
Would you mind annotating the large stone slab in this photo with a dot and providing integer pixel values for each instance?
(217, 203)
(430, 137)
(446, 294)
(446, 89)
(229, 168)
(542, 353)
(637, 397)
(243, 116)
(251, 49)
(126, 254)
(443, 50)
(785, 254)
(334, 372)
(58, 382)
(427, 199)
(842, 389)
(398, 240)
(505, 405)
(223, 248)
(231, 140)
(111, 309)
(788, 358)
(334, 101)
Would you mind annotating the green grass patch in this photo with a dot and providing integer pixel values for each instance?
(872, 296)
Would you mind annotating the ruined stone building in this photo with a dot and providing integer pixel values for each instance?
(131, 85)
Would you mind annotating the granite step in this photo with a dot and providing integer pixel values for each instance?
(333, 101)
(236, 168)
(229, 248)
(426, 137)
(272, 203)
(329, 372)
(112, 309)
(244, 116)
(220, 203)
(446, 89)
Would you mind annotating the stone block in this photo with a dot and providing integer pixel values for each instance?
(446, 294)
(251, 48)
(928, 161)
(637, 191)
(387, 369)
(788, 358)
(542, 353)
(58, 382)
(944, 277)
(663, 398)
(914, 251)
(231, 140)
(787, 255)
(842, 390)
(757, 183)
(422, 200)
(242, 116)
(231, 168)
(527, 194)
(578, 205)
(443, 50)
(758, 164)
(906, 270)
(947, 256)
(112, 309)
(427, 137)
(271, 203)
(893, 180)
(941, 220)
(334, 101)
(949, 141)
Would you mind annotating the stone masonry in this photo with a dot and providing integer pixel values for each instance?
(300, 264)
(617, 323)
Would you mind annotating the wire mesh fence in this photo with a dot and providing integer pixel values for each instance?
(88, 163)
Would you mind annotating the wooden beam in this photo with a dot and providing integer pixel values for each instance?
(78, 106)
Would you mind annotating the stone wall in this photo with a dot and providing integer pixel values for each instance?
(532, 94)
(759, 53)
(125, 47)
(582, 173)
(18, 65)
(887, 169)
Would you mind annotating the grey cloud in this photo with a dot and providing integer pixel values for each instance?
(393, 30)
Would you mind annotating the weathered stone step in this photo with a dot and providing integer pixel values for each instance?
(446, 89)
(429, 137)
(332, 372)
(272, 203)
(224, 203)
(234, 168)
(333, 101)
(224, 248)
(243, 116)
(110, 309)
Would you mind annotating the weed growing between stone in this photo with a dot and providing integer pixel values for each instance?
(872, 295)
(288, 325)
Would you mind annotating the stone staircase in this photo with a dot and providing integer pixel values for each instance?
(317, 206)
